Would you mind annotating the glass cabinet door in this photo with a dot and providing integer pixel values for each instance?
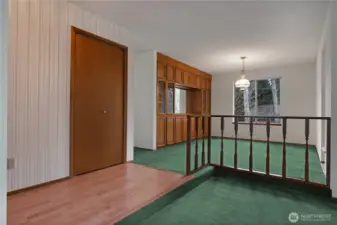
(170, 98)
(161, 97)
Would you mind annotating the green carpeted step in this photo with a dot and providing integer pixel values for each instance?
(232, 201)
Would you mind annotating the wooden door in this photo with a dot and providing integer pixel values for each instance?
(179, 123)
(170, 130)
(161, 131)
(97, 118)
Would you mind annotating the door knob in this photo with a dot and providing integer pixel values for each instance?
(105, 111)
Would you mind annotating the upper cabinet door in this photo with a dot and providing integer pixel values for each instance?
(192, 80)
(198, 81)
(161, 71)
(207, 84)
(179, 76)
(170, 73)
(202, 82)
(185, 76)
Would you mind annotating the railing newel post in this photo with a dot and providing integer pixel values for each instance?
(209, 143)
(251, 145)
(236, 142)
(203, 141)
(221, 151)
(188, 146)
(268, 147)
(306, 169)
(196, 154)
(328, 153)
(284, 156)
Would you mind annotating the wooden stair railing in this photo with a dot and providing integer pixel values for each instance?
(206, 150)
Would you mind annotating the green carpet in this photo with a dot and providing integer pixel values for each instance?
(232, 200)
(173, 157)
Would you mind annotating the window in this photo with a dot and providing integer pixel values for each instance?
(262, 98)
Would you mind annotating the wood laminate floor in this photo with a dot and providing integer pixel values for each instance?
(98, 198)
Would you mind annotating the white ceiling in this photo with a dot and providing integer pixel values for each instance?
(213, 35)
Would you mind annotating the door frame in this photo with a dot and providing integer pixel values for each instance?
(74, 31)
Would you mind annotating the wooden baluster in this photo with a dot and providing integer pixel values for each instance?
(306, 169)
(222, 130)
(236, 143)
(188, 146)
(268, 148)
(209, 140)
(251, 145)
(328, 152)
(203, 141)
(196, 155)
(284, 157)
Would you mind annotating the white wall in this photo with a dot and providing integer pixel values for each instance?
(332, 18)
(327, 74)
(145, 99)
(323, 84)
(297, 99)
(39, 68)
(3, 109)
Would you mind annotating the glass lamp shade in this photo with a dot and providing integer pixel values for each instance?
(242, 83)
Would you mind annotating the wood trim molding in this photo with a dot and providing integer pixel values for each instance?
(37, 186)
(180, 65)
(258, 140)
(259, 124)
(74, 31)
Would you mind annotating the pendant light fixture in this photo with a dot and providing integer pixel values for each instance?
(242, 83)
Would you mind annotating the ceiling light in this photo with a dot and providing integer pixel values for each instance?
(242, 83)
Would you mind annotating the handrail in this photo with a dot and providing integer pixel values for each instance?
(273, 117)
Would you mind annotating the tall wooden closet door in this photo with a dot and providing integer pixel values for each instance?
(97, 112)
(112, 69)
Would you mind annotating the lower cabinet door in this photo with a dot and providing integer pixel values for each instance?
(161, 131)
(200, 127)
(170, 130)
(206, 127)
(179, 123)
(193, 128)
(185, 129)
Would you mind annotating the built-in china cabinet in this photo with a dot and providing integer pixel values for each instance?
(181, 90)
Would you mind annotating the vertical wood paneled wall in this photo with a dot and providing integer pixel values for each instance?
(3, 109)
(39, 78)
